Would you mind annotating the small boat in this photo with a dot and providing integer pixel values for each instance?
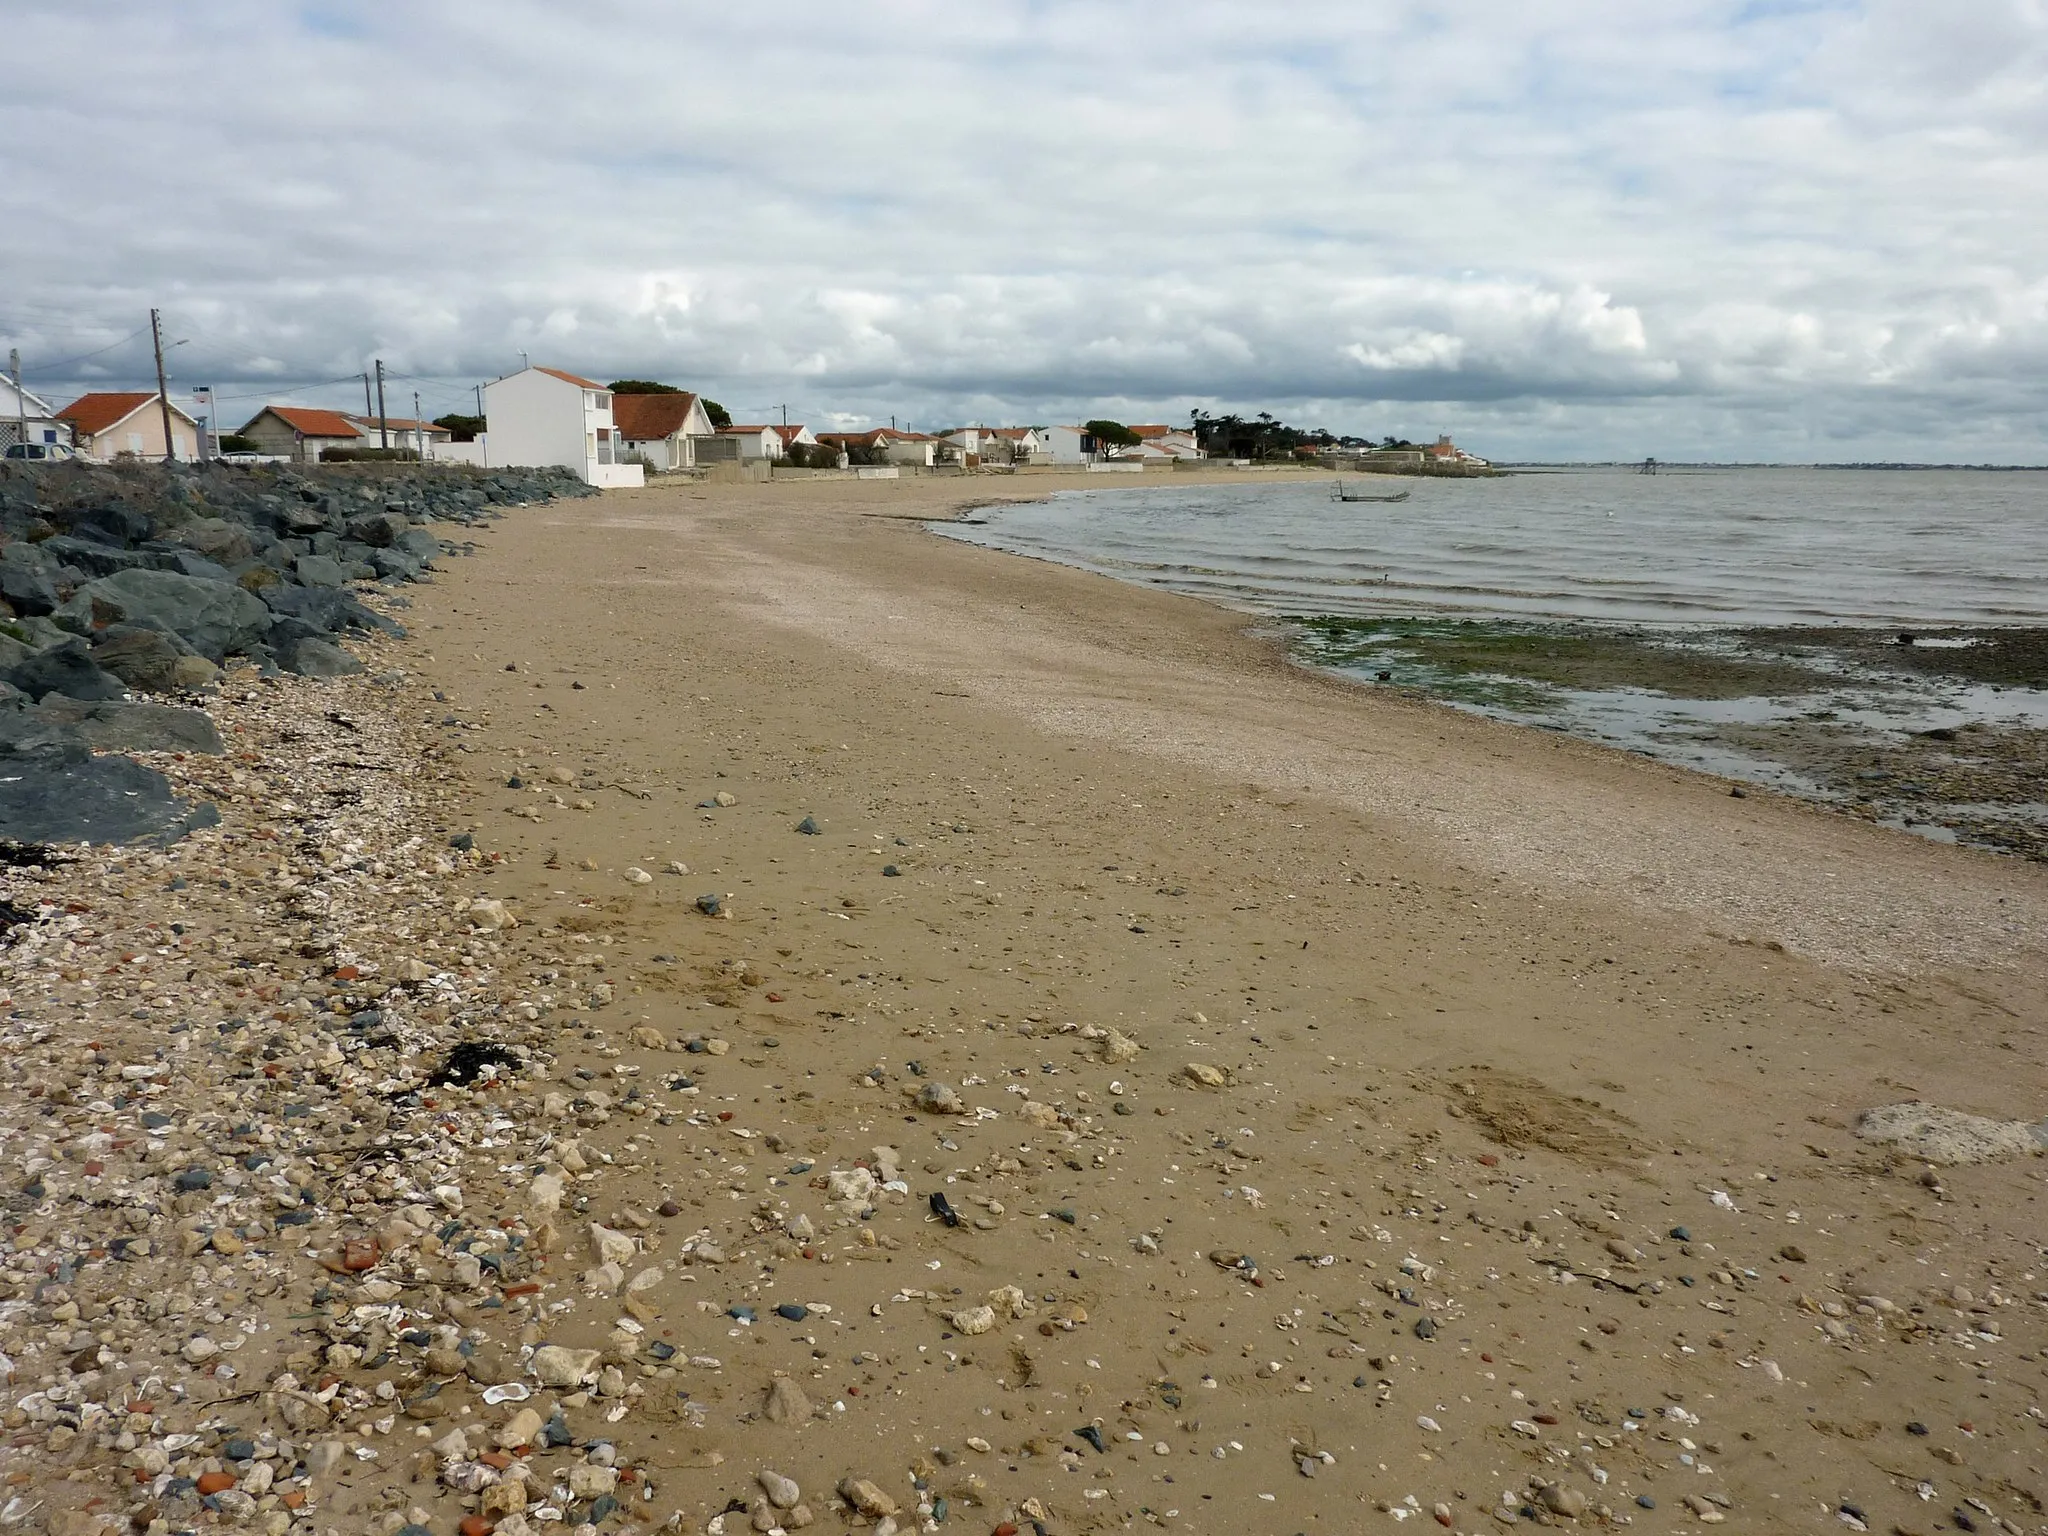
(1340, 494)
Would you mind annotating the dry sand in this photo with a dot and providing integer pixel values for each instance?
(1492, 1014)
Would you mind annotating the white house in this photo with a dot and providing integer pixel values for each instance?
(129, 425)
(663, 429)
(754, 442)
(1171, 442)
(541, 416)
(28, 418)
(798, 436)
(1066, 445)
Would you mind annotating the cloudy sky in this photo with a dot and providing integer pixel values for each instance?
(1786, 229)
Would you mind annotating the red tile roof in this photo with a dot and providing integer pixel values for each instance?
(570, 378)
(738, 431)
(395, 423)
(789, 434)
(93, 414)
(306, 420)
(649, 418)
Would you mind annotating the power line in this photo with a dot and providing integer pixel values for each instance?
(45, 369)
(294, 389)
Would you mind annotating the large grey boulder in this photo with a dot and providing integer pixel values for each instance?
(27, 588)
(186, 563)
(69, 796)
(320, 571)
(92, 557)
(380, 530)
(120, 725)
(316, 656)
(216, 538)
(324, 608)
(143, 657)
(67, 669)
(216, 618)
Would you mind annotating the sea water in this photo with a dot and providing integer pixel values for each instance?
(1720, 547)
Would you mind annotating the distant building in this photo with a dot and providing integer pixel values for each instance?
(403, 432)
(754, 442)
(665, 430)
(907, 448)
(1444, 453)
(1068, 445)
(1164, 442)
(129, 425)
(28, 418)
(300, 432)
(543, 416)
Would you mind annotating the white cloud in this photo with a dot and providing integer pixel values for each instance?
(1577, 228)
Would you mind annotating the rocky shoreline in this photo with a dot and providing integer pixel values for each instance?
(1939, 732)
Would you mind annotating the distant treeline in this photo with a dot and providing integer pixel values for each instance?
(1265, 436)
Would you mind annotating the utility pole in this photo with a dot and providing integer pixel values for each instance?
(479, 400)
(368, 409)
(785, 415)
(20, 401)
(419, 426)
(383, 421)
(163, 399)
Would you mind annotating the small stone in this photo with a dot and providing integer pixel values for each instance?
(866, 1497)
(973, 1321)
(785, 1402)
(936, 1098)
(1560, 1500)
(1792, 1253)
(1209, 1077)
(522, 1429)
(808, 826)
(556, 1365)
(726, 799)
(638, 876)
(782, 1492)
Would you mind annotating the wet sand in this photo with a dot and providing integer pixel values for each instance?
(1481, 1015)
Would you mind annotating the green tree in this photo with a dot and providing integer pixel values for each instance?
(461, 429)
(720, 416)
(1114, 433)
(641, 387)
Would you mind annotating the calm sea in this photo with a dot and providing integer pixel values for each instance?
(1686, 547)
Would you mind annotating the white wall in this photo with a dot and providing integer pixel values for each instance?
(538, 419)
(477, 453)
(1063, 445)
(909, 453)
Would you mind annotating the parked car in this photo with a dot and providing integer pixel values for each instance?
(43, 451)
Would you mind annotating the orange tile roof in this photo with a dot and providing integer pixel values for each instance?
(306, 420)
(737, 429)
(93, 414)
(648, 418)
(569, 378)
(789, 434)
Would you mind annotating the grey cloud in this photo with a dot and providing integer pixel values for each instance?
(1579, 228)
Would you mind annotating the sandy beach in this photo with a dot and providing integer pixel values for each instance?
(1444, 1030)
(973, 1045)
